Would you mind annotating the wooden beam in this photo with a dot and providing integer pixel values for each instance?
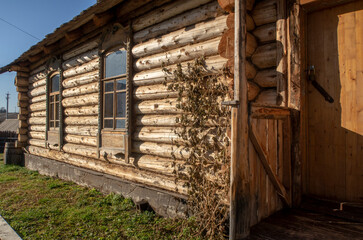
(73, 35)
(129, 6)
(262, 153)
(315, 5)
(240, 172)
(50, 48)
(101, 19)
(36, 57)
(269, 112)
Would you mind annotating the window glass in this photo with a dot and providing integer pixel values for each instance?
(55, 83)
(121, 104)
(51, 111)
(121, 84)
(56, 111)
(109, 105)
(120, 123)
(115, 64)
(109, 86)
(57, 124)
(108, 123)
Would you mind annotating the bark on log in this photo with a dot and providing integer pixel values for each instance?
(21, 81)
(40, 98)
(88, 120)
(37, 106)
(81, 130)
(23, 131)
(22, 97)
(84, 68)
(185, 19)
(160, 149)
(23, 111)
(266, 78)
(38, 128)
(226, 45)
(251, 71)
(267, 98)
(164, 106)
(266, 33)
(156, 120)
(36, 135)
(23, 103)
(253, 90)
(22, 138)
(85, 100)
(36, 91)
(199, 33)
(213, 65)
(22, 117)
(83, 140)
(82, 49)
(265, 56)
(22, 89)
(38, 114)
(81, 111)
(265, 12)
(165, 12)
(250, 24)
(187, 53)
(80, 59)
(81, 90)
(36, 120)
(80, 79)
(23, 124)
(118, 170)
(228, 5)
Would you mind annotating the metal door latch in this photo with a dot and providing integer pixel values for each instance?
(317, 86)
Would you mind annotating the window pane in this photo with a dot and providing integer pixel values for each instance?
(108, 123)
(121, 84)
(57, 124)
(109, 86)
(57, 111)
(55, 83)
(51, 98)
(57, 97)
(121, 104)
(108, 105)
(120, 123)
(51, 124)
(115, 64)
(51, 111)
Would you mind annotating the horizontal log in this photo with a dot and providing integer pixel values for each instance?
(158, 91)
(194, 16)
(265, 56)
(83, 140)
(23, 131)
(22, 117)
(39, 83)
(212, 65)
(250, 24)
(81, 130)
(22, 74)
(38, 128)
(187, 53)
(156, 120)
(40, 76)
(36, 91)
(226, 45)
(36, 120)
(23, 103)
(81, 49)
(23, 124)
(166, 166)
(36, 142)
(267, 98)
(82, 79)
(156, 134)
(84, 68)
(265, 12)
(86, 151)
(38, 114)
(265, 33)
(88, 120)
(38, 69)
(165, 12)
(37, 106)
(159, 149)
(228, 5)
(23, 111)
(36, 135)
(40, 98)
(84, 100)
(21, 81)
(251, 71)
(22, 89)
(80, 59)
(269, 113)
(200, 32)
(22, 97)
(118, 170)
(253, 90)
(81, 90)
(164, 106)
(266, 78)
(81, 111)
(22, 137)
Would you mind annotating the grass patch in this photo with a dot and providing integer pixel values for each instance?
(40, 207)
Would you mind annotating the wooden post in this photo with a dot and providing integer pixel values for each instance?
(240, 182)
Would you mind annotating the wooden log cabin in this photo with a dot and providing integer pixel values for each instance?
(93, 108)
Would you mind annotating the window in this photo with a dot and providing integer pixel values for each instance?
(54, 102)
(114, 90)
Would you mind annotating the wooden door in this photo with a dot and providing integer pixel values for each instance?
(335, 130)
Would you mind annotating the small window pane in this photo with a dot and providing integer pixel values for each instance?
(57, 124)
(120, 123)
(121, 84)
(51, 124)
(57, 111)
(109, 86)
(51, 111)
(121, 104)
(109, 105)
(57, 98)
(108, 123)
(55, 83)
(51, 98)
(115, 64)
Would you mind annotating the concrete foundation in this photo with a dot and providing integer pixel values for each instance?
(162, 202)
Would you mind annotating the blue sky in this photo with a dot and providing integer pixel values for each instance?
(39, 18)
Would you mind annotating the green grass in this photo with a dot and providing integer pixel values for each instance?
(40, 207)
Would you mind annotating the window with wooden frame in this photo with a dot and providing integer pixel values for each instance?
(54, 101)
